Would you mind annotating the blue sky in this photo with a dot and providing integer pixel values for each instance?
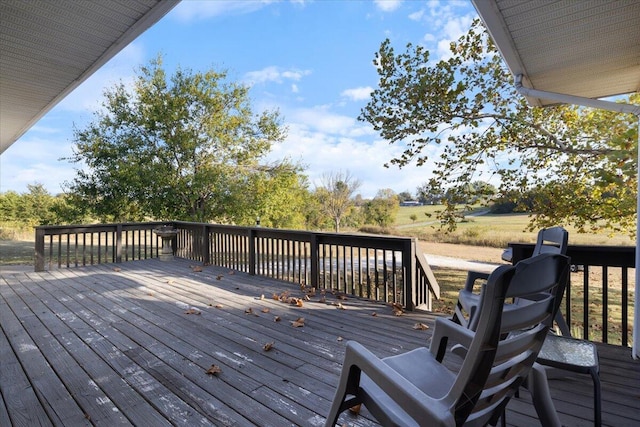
(311, 60)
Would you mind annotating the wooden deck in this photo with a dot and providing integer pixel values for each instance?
(131, 344)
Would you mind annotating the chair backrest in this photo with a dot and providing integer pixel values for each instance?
(507, 337)
(551, 240)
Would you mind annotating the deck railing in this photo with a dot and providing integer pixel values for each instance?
(382, 268)
(598, 303)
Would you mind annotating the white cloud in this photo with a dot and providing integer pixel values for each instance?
(324, 141)
(29, 162)
(274, 74)
(358, 93)
(388, 5)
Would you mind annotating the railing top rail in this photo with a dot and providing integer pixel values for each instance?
(613, 256)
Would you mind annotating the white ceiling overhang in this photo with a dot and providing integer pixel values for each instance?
(47, 48)
(585, 48)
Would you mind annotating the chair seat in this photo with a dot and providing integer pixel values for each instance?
(421, 369)
(569, 354)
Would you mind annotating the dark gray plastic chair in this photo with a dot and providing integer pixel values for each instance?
(416, 389)
(549, 240)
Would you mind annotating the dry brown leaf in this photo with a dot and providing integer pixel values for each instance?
(276, 319)
(397, 309)
(214, 370)
(276, 297)
(150, 294)
(261, 297)
(340, 338)
(193, 310)
(268, 346)
(248, 311)
(374, 314)
(170, 281)
(117, 269)
(298, 323)
(356, 409)
(231, 272)
(307, 298)
(421, 326)
(265, 310)
(323, 299)
(339, 306)
(219, 306)
(297, 302)
(219, 277)
(197, 268)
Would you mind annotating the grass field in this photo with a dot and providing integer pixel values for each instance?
(495, 231)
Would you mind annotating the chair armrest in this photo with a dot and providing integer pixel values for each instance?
(472, 276)
(424, 409)
(444, 330)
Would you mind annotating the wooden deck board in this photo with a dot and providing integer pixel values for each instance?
(116, 345)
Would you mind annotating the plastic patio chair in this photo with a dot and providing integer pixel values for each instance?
(561, 352)
(416, 389)
(549, 240)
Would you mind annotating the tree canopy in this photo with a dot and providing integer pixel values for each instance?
(335, 195)
(187, 146)
(464, 114)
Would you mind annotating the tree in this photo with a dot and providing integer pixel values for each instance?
(185, 147)
(405, 196)
(335, 194)
(579, 162)
(382, 210)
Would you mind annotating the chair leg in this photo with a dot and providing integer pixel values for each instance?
(541, 395)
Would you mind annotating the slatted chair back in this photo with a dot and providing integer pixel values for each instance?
(523, 328)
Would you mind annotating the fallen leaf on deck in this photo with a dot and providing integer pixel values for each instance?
(323, 299)
(374, 314)
(170, 281)
(298, 323)
(192, 310)
(261, 297)
(265, 310)
(219, 277)
(219, 306)
(355, 409)
(214, 370)
(339, 306)
(231, 272)
(117, 269)
(197, 268)
(397, 309)
(268, 346)
(307, 298)
(276, 319)
(248, 311)
(275, 297)
(340, 338)
(421, 326)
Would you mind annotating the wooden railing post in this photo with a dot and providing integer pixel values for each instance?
(252, 251)
(39, 250)
(409, 267)
(315, 273)
(206, 253)
(118, 247)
